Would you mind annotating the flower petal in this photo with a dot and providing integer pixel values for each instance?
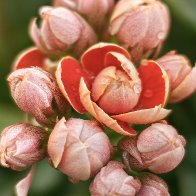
(22, 187)
(56, 142)
(155, 85)
(185, 89)
(93, 59)
(35, 34)
(68, 76)
(121, 62)
(99, 114)
(143, 116)
(50, 41)
(28, 58)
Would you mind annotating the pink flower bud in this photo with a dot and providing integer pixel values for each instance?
(79, 148)
(181, 75)
(95, 10)
(113, 180)
(142, 26)
(115, 85)
(158, 148)
(36, 92)
(61, 30)
(22, 145)
(152, 185)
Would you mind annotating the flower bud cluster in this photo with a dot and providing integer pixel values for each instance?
(50, 78)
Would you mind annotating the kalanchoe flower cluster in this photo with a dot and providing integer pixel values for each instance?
(117, 84)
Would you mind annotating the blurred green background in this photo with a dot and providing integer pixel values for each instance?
(14, 20)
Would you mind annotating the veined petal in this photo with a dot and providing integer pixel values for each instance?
(29, 58)
(68, 76)
(93, 59)
(186, 88)
(144, 116)
(99, 114)
(155, 85)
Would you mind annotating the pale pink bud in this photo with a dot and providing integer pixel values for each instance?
(158, 148)
(95, 11)
(79, 148)
(142, 26)
(181, 75)
(36, 92)
(152, 185)
(61, 30)
(22, 145)
(113, 180)
(117, 87)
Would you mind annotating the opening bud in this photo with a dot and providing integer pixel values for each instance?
(36, 92)
(158, 148)
(22, 145)
(142, 26)
(113, 180)
(181, 75)
(117, 87)
(61, 30)
(79, 148)
(95, 11)
(152, 185)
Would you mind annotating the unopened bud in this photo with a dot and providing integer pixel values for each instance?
(95, 11)
(79, 148)
(152, 185)
(142, 26)
(36, 92)
(22, 145)
(61, 31)
(113, 180)
(181, 75)
(158, 148)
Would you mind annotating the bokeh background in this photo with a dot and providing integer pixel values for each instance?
(14, 19)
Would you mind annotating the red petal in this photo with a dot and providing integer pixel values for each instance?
(155, 85)
(29, 58)
(68, 76)
(100, 115)
(93, 59)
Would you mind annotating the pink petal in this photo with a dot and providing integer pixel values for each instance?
(29, 58)
(56, 142)
(121, 62)
(50, 41)
(99, 114)
(93, 59)
(22, 187)
(35, 34)
(155, 85)
(185, 89)
(145, 116)
(68, 76)
(63, 17)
